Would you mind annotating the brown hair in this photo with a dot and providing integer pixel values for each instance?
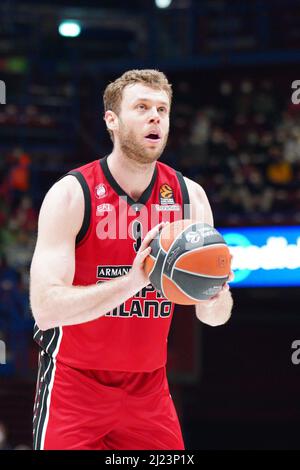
(113, 93)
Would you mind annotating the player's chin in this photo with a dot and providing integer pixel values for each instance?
(153, 154)
(153, 148)
(157, 150)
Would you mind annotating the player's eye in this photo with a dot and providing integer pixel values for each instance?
(141, 106)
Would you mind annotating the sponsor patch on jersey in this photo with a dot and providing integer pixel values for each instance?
(167, 208)
(100, 191)
(103, 208)
(166, 195)
(146, 309)
(109, 272)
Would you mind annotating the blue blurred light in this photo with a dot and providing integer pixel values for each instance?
(163, 3)
(69, 28)
(264, 256)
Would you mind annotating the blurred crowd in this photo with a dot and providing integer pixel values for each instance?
(18, 224)
(243, 147)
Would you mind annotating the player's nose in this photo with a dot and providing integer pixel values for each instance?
(154, 115)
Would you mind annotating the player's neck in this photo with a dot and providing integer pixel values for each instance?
(133, 177)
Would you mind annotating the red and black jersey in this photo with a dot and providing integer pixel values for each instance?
(133, 336)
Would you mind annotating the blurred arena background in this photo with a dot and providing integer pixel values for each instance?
(234, 128)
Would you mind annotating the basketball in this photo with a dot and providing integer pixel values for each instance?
(189, 262)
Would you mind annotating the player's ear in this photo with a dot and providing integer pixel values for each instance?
(111, 119)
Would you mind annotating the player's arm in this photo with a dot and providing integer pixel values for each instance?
(54, 300)
(217, 310)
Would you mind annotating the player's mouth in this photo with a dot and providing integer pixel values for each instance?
(153, 137)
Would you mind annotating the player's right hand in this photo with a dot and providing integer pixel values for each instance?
(137, 273)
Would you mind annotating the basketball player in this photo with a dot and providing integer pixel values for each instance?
(101, 327)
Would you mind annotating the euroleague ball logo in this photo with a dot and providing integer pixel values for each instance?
(193, 237)
(166, 191)
(166, 194)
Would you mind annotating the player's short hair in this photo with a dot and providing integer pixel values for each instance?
(113, 93)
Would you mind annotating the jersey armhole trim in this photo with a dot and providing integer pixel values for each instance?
(87, 204)
(185, 196)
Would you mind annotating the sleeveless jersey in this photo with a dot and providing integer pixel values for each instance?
(133, 336)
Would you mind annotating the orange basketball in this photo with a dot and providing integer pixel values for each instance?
(189, 262)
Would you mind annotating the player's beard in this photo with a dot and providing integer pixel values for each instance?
(135, 150)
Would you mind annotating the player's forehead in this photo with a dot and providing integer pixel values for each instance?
(137, 92)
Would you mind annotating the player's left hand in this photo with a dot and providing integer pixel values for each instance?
(225, 288)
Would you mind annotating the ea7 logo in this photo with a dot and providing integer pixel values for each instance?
(2, 92)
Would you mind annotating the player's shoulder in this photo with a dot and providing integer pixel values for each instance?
(65, 194)
(67, 187)
(194, 188)
(200, 207)
(63, 208)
